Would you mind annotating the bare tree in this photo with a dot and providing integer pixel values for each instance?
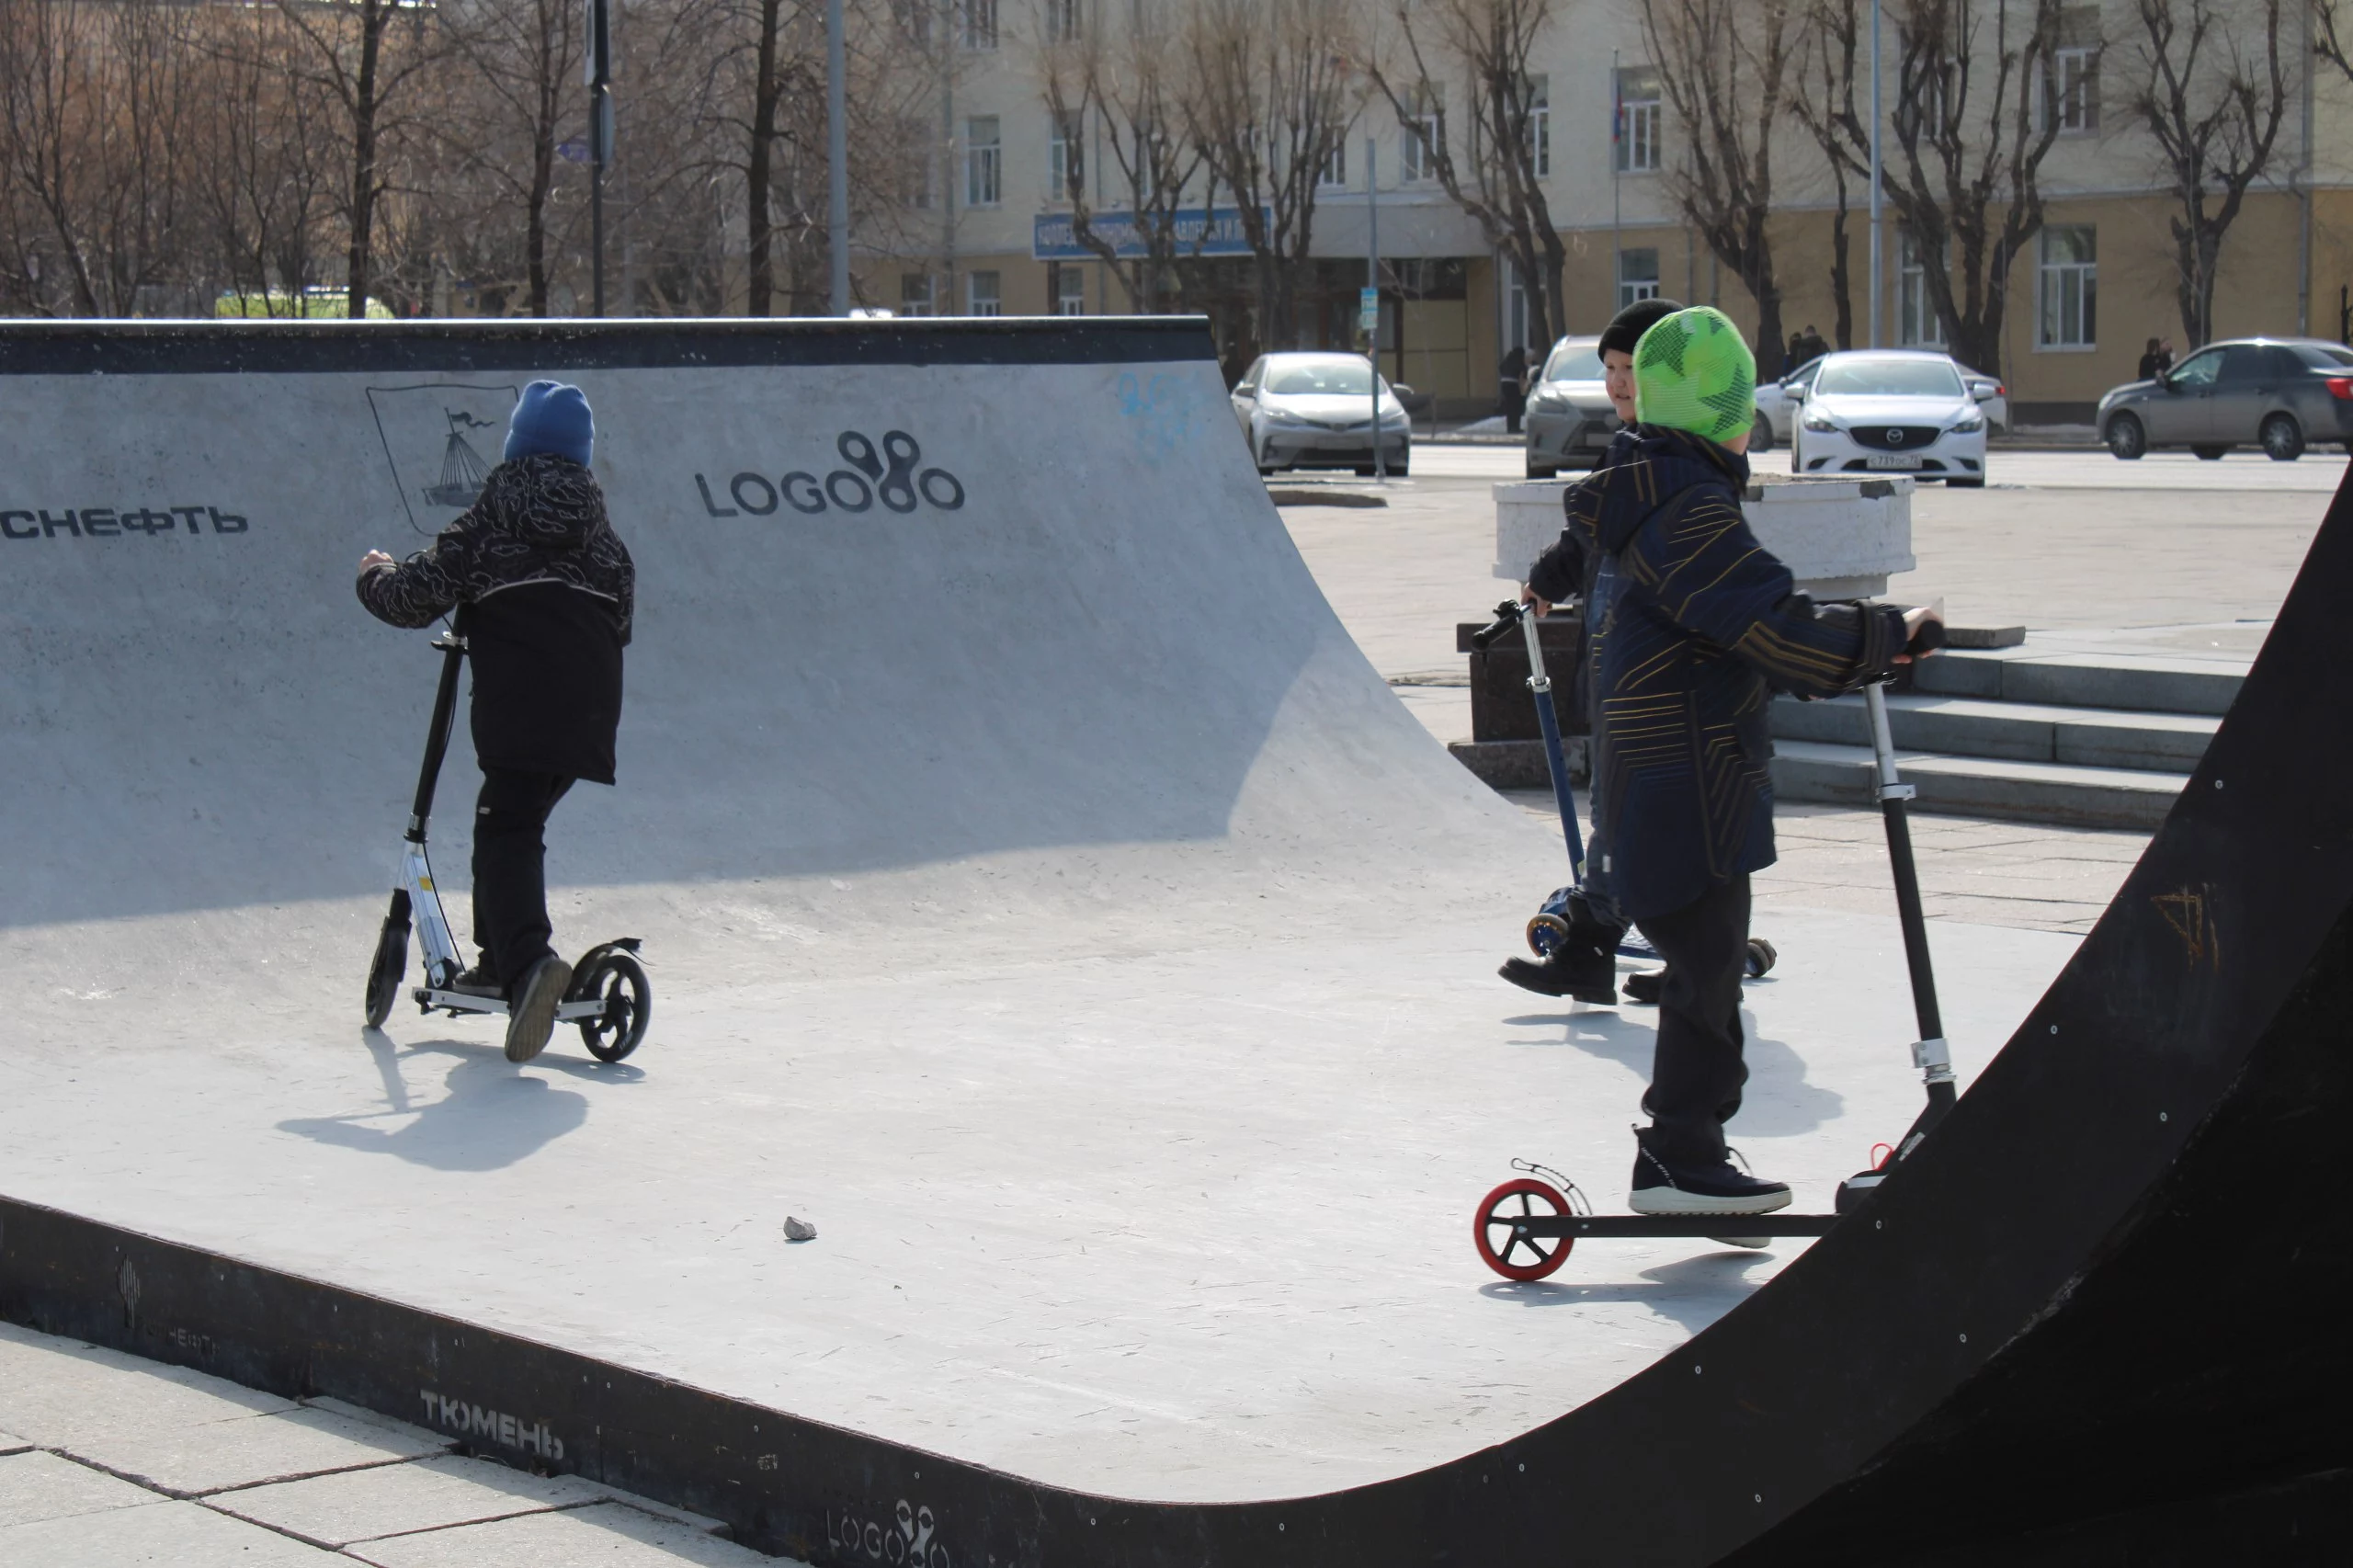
(368, 53)
(2213, 99)
(1269, 109)
(524, 58)
(1133, 86)
(264, 161)
(95, 111)
(1969, 139)
(1824, 99)
(1497, 176)
(1725, 66)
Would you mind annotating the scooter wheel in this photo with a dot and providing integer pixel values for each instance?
(1513, 1255)
(1761, 957)
(392, 961)
(1546, 932)
(619, 980)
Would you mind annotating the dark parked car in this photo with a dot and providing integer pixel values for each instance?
(2281, 393)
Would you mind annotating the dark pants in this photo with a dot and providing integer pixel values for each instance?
(510, 870)
(1697, 1074)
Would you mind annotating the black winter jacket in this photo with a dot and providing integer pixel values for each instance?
(1694, 626)
(548, 591)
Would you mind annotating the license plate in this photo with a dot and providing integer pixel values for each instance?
(1887, 460)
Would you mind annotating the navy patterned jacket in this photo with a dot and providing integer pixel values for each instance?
(1694, 626)
(546, 592)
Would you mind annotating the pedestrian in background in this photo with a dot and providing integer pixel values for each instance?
(1511, 386)
(2148, 367)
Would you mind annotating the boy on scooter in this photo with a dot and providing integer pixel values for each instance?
(1693, 626)
(545, 592)
(1585, 966)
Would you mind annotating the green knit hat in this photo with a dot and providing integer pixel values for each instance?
(1692, 372)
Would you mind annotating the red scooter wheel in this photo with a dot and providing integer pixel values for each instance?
(1513, 1255)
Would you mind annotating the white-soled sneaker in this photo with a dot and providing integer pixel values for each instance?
(1661, 1186)
(532, 1019)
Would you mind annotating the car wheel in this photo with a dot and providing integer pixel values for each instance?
(1958, 482)
(2126, 438)
(2282, 438)
(1540, 470)
(2210, 454)
(1760, 436)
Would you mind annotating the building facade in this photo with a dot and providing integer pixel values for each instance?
(2084, 297)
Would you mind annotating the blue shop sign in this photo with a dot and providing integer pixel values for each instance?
(1199, 231)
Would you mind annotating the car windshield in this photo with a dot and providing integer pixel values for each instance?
(1339, 377)
(1570, 363)
(1888, 378)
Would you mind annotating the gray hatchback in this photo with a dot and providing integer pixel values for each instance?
(2281, 393)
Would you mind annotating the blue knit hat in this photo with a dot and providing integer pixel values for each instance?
(552, 417)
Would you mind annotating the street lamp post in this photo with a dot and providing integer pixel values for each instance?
(1877, 288)
(597, 66)
(838, 156)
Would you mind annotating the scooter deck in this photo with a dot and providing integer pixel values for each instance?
(467, 1002)
(1583, 1227)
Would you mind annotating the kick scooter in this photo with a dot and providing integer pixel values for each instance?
(612, 999)
(1524, 1228)
(1549, 927)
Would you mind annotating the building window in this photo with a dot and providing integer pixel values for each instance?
(980, 23)
(1917, 322)
(981, 296)
(1064, 20)
(983, 162)
(915, 20)
(1638, 121)
(923, 174)
(1336, 161)
(1423, 143)
(1637, 276)
(2068, 282)
(1069, 290)
(1540, 126)
(914, 294)
(1065, 156)
(2070, 91)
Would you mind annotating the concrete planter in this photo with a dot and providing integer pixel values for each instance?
(1842, 538)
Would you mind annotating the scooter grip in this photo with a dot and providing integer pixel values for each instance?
(1928, 639)
(1506, 621)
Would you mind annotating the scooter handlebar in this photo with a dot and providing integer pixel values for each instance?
(1507, 619)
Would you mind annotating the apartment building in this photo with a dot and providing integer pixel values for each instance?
(2084, 297)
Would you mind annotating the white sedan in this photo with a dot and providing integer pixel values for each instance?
(1889, 411)
(1316, 411)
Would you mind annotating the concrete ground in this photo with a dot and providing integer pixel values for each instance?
(114, 1461)
(107, 1460)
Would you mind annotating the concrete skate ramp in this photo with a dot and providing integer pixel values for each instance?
(1051, 779)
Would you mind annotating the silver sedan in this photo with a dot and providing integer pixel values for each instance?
(1316, 411)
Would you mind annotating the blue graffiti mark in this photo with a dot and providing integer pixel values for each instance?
(1167, 411)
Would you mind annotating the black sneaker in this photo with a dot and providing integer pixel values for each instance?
(478, 982)
(1644, 986)
(1573, 968)
(1718, 1186)
(533, 1017)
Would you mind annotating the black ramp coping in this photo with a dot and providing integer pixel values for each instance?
(189, 348)
(2104, 1303)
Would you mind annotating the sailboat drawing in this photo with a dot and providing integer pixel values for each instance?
(462, 470)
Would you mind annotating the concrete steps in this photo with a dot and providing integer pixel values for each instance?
(2074, 738)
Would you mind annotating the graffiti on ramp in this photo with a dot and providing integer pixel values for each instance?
(442, 439)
